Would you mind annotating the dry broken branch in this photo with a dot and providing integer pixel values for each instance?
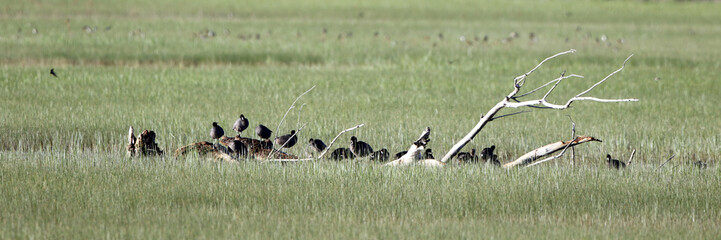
(633, 153)
(511, 100)
(531, 157)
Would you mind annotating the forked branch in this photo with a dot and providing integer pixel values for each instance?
(512, 100)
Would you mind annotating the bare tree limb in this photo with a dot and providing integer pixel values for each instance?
(518, 83)
(289, 108)
(633, 153)
(553, 157)
(507, 115)
(532, 156)
(336, 138)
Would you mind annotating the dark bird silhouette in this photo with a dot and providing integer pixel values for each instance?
(238, 148)
(216, 132)
(467, 157)
(52, 72)
(360, 148)
(380, 155)
(428, 154)
(341, 153)
(288, 140)
(263, 132)
(700, 164)
(400, 154)
(614, 163)
(317, 145)
(241, 124)
(488, 156)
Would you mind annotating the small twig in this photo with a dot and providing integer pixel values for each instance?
(291, 107)
(631, 158)
(548, 83)
(327, 148)
(510, 114)
(573, 136)
(518, 81)
(299, 112)
(669, 159)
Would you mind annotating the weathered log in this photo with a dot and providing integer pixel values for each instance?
(256, 150)
(538, 153)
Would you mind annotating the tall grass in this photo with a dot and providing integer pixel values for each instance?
(385, 64)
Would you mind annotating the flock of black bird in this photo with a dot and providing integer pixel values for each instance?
(356, 148)
(240, 146)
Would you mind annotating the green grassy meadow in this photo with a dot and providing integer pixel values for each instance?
(397, 67)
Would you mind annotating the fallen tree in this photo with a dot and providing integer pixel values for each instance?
(512, 100)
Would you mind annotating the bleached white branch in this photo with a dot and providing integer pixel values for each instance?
(553, 157)
(336, 138)
(511, 100)
(517, 82)
(289, 108)
(630, 159)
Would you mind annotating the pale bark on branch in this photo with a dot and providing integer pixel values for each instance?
(512, 100)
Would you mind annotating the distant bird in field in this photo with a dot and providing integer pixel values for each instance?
(317, 145)
(341, 153)
(700, 164)
(360, 148)
(288, 140)
(466, 157)
(428, 154)
(241, 124)
(263, 132)
(380, 155)
(216, 132)
(52, 72)
(614, 163)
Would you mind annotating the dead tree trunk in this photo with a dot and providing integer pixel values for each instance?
(512, 101)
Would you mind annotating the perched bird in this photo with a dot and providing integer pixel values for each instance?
(317, 144)
(341, 153)
(614, 163)
(488, 156)
(238, 148)
(52, 72)
(467, 156)
(216, 132)
(263, 132)
(428, 154)
(400, 154)
(380, 155)
(241, 124)
(360, 148)
(288, 140)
